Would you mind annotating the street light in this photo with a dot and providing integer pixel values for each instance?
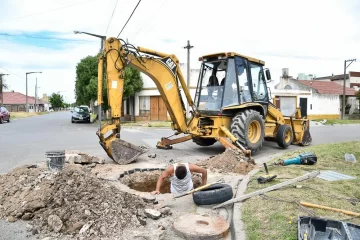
(27, 106)
(2, 87)
(94, 35)
(103, 38)
(344, 87)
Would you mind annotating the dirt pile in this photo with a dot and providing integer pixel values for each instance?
(230, 161)
(70, 203)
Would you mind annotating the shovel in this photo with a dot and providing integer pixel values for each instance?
(221, 180)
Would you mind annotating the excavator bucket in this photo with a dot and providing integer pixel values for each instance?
(306, 139)
(124, 152)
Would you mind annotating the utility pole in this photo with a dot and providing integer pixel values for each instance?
(27, 106)
(2, 88)
(344, 87)
(188, 47)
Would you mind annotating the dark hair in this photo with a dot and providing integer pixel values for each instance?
(180, 172)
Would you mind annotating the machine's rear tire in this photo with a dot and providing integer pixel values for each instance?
(204, 142)
(284, 136)
(248, 127)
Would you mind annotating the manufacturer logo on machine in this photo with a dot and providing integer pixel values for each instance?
(170, 64)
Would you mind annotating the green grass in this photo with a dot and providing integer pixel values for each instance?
(339, 121)
(15, 115)
(274, 219)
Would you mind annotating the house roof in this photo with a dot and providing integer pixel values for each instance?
(333, 77)
(340, 76)
(323, 87)
(19, 98)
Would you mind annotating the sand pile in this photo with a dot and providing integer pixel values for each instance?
(71, 203)
(230, 161)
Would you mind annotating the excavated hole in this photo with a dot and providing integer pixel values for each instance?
(202, 223)
(146, 181)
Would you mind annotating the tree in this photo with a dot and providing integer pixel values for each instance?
(56, 101)
(357, 94)
(86, 80)
(132, 82)
(87, 83)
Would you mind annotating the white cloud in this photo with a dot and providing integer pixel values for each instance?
(305, 36)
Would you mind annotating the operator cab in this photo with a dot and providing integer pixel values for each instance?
(230, 79)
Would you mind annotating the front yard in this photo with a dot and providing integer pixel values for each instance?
(274, 215)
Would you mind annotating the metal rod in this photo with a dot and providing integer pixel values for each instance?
(26, 106)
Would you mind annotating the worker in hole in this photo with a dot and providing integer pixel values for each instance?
(180, 177)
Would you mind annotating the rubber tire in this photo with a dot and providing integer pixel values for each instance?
(280, 136)
(215, 194)
(1, 120)
(8, 119)
(72, 120)
(240, 125)
(204, 142)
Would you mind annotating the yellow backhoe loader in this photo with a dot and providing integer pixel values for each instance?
(232, 103)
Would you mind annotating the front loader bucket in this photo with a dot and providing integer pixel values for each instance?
(124, 152)
(306, 139)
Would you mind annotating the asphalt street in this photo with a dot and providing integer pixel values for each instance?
(25, 141)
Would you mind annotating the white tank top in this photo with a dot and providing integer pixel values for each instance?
(181, 185)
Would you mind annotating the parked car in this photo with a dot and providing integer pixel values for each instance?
(80, 114)
(4, 115)
(86, 107)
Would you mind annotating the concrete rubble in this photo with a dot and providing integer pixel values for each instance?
(82, 158)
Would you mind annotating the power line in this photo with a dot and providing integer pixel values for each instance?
(129, 18)
(162, 4)
(47, 11)
(12, 73)
(46, 38)
(111, 17)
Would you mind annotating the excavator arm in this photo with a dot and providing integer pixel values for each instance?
(162, 68)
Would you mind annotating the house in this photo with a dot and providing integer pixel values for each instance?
(16, 102)
(352, 80)
(317, 99)
(148, 104)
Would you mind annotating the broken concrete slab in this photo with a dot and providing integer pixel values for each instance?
(82, 158)
(55, 223)
(152, 213)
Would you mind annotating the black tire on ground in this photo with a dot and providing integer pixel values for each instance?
(8, 119)
(241, 125)
(1, 121)
(204, 142)
(217, 193)
(284, 136)
(72, 120)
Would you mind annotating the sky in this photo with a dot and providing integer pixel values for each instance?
(308, 36)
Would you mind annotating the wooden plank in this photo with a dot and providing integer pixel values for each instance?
(162, 110)
(154, 108)
(311, 205)
(268, 189)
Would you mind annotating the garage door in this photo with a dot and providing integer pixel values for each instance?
(157, 109)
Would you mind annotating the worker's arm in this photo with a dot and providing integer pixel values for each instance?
(197, 169)
(168, 172)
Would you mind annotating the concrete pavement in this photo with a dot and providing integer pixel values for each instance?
(24, 141)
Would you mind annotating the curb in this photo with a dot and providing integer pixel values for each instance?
(237, 227)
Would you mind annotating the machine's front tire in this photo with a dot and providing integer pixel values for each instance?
(284, 136)
(248, 127)
(204, 142)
